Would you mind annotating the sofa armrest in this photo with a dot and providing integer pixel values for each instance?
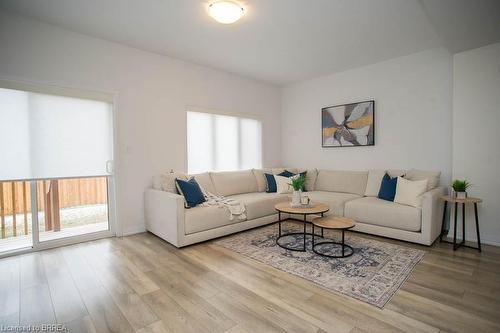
(432, 213)
(164, 214)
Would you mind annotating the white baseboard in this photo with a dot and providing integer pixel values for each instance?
(138, 230)
(490, 242)
(484, 240)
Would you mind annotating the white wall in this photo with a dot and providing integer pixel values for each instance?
(152, 94)
(476, 127)
(412, 115)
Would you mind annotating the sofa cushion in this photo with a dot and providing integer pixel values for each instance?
(205, 181)
(166, 181)
(260, 204)
(202, 218)
(277, 171)
(384, 213)
(335, 200)
(373, 183)
(311, 175)
(261, 178)
(431, 176)
(234, 182)
(342, 181)
(396, 173)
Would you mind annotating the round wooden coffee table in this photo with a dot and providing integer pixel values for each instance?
(312, 208)
(333, 222)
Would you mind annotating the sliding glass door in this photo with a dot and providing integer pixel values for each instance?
(56, 180)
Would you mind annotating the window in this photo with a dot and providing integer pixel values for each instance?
(222, 143)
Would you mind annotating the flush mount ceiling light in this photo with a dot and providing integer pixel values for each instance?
(225, 11)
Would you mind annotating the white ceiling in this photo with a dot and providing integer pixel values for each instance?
(278, 41)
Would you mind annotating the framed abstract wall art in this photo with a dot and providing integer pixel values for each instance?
(348, 125)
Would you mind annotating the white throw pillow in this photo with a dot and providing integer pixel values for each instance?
(409, 192)
(282, 184)
(373, 183)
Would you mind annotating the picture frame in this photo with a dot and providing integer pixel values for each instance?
(348, 125)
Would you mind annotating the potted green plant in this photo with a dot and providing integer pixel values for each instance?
(297, 183)
(460, 188)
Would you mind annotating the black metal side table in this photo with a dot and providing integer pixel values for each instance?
(463, 202)
(337, 223)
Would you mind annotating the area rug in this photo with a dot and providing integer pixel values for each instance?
(372, 274)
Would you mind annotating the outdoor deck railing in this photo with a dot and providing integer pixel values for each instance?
(52, 195)
(10, 205)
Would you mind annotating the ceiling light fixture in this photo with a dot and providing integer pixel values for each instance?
(225, 11)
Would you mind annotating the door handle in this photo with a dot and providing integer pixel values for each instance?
(109, 167)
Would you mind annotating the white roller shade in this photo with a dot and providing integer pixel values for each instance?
(50, 136)
(222, 143)
(226, 143)
(200, 141)
(251, 143)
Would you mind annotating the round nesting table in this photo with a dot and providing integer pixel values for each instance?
(312, 208)
(337, 223)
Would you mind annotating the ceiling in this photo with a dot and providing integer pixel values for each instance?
(279, 41)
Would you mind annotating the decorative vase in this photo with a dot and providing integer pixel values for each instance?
(304, 199)
(296, 198)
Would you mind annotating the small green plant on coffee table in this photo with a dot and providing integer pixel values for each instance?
(460, 185)
(298, 182)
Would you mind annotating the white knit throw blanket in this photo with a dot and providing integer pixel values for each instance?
(235, 208)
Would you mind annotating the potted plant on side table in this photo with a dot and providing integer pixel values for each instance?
(297, 183)
(460, 188)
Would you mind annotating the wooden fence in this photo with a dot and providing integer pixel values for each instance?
(15, 197)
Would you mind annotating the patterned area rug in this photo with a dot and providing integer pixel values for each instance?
(372, 274)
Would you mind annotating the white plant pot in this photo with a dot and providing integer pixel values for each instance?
(295, 199)
(461, 195)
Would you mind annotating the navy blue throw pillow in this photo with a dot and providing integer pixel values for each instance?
(191, 191)
(289, 174)
(271, 183)
(286, 173)
(388, 188)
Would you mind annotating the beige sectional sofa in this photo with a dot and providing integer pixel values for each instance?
(348, 193)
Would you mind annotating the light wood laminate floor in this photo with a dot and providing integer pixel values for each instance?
(141, 283)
